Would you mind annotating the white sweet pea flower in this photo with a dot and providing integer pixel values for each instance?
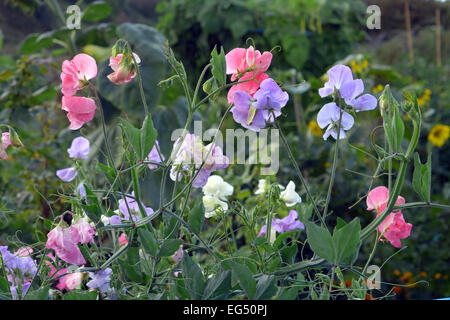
(261, 186)
(289, 196)
(216, 186)
(104, 219)
(212, 204)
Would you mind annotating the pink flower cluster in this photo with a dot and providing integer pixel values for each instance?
(74, 76)
(244, 64)
(65, 240)
(394, 227)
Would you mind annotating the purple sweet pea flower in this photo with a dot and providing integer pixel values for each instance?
(266, 102)
(341, 78)
(154, 156)
(289, 223)
(328, 117)
(20, 269)
(79, 148)
(134, 208)
(67, 174)
(81, 190)
(100, 280)
(337, 76)
(115, 220)
(286, 224)
(352, 93)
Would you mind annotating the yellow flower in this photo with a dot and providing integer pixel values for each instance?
(439, 134)
(326, 164)
(422, 274)
(437, 275)
(365, 63)
(406, 276)
(359, 67)
(314, 128)
(397, 272)
(378, 88)
(427, 92)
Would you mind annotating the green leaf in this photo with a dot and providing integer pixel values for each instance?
(266, 288)
(169, 246)
(193, 277)
(245, 277)
(80, 295)
(133, 135)
(109, 172)
(219, 66)
(288, 254)
(97, 11)
(39, 294)
(1, 40)
(217, 286)
(320, 241)
(197, 216)
(33, 44)
(148, 241)
(147, 137)
(422, 178)
(346, 240)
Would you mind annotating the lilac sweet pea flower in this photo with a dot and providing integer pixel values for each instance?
(253, 112)
(133, 207)
(286, 224)
(100, 280)
(81, 190)
(341, 79)
(79, 148)
(289, 223)
(329, 116)
(191, 154)
(20, 269)
(154, 156)
(67, 174)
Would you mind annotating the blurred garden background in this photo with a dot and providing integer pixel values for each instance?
(409, 52)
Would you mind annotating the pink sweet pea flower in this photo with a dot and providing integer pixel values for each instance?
(74, 72)
(64, 242)
(82, 231)
(70, 281)
(249, 87)
(80, 110)
(123, 239)
(394, 227)
(122, 73)
(240, 61)
(6, 142)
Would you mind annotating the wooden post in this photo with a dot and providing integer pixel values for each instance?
(438, 37)
(408, 32)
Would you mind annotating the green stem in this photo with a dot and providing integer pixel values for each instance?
(299, 173)
(335, 160)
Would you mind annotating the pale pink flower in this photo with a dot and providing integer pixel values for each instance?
(122, 73)
(64, 242)
(24, 251)
(178, 255)
(76, 71)
(82, 231)
(394, 227)
(6, 142)
(70, 281)
(80, 110)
